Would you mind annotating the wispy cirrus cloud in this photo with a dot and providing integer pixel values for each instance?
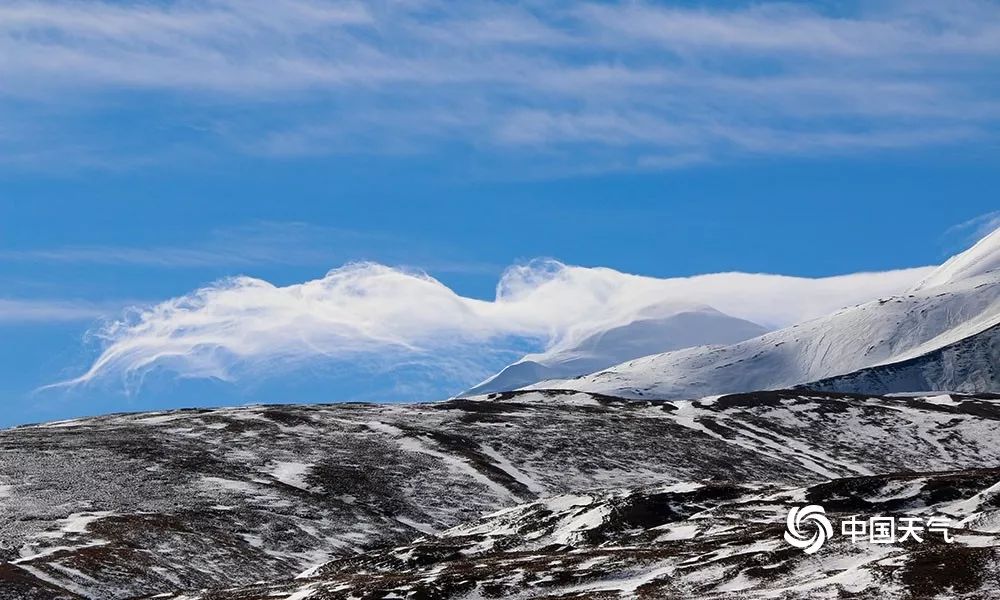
(631, 84)
(975, 228)
(252, 244)
(17, 311)
(255, 244)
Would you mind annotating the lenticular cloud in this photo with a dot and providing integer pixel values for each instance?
(364, 314)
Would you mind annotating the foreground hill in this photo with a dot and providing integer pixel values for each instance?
(129, 505)
(709, 541)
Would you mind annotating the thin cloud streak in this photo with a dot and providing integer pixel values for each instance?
(261, 243)
(629, 82)
(20, 311)
(975, 228)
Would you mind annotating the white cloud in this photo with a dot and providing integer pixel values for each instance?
(633, 82)
(372, 317)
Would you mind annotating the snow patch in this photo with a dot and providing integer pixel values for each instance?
(943, 400)
(79, 522)
(507, 467)
(292, 473)
(302, 594)
(421, 527)
(679, 532)
(569, 530)
(455, 464)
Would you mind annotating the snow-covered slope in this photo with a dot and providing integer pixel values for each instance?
(959, 301)
(971, 364)
(677, 329)
(982, 259)
(693, 540)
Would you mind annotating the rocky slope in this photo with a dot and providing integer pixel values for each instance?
(712, 541)
(123, 506)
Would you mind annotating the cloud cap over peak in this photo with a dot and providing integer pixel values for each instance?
(371, 316)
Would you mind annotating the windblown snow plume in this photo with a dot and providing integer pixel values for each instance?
(363, 314)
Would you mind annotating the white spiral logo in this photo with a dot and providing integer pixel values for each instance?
(801, 515)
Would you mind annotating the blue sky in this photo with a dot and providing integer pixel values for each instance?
(150, 149)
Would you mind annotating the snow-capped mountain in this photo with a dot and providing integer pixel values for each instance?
(552, 493)
(971, 364)
(126, 506)
(957, 306)
(681, 312)
(981, 259)
(678, 328)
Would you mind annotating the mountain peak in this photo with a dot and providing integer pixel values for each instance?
(673, 327)
(980, 259)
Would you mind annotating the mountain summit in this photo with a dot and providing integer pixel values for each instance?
(671, 330)
(910, 340)
(981, 260)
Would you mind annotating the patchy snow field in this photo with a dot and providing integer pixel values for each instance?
(123, 506)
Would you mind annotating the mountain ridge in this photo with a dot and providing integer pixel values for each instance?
(682, 329)
(963, 304)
